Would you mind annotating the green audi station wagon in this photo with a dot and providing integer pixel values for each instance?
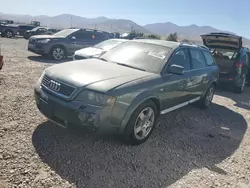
(126, 89)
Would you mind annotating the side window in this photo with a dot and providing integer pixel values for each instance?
(181, 58)
(100, 36)
(86, 35)
(209, 58)
(198, 59)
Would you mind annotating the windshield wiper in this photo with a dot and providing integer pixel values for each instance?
(130, 66)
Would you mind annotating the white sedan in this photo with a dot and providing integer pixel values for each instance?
(98, 49)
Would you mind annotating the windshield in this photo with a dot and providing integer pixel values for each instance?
(65, 32)
(108, 44)
(36, 28)
(145, 56)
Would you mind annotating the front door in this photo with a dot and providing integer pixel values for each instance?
(174, 92)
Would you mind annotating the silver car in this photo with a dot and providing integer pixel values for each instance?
(98, 49)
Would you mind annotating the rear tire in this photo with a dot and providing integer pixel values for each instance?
(207, 99)
(248, 78)
(240, 89)
(9, 34)
(141, 124)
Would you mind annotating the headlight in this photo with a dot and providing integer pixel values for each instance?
(97, 55)
(43, 41)
(95, 98)
(41, 77)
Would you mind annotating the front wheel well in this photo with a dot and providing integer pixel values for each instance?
(157, 104)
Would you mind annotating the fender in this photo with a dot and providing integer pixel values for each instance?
(138, 100)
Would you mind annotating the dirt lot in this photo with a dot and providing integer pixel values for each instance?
(189, 148)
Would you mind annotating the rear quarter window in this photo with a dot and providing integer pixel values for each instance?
(209, 58)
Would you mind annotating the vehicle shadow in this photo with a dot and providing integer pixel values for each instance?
(42, 59)
(184, 140)
(242, 100)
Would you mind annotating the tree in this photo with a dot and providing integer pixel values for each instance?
(172, 37)
(185, 40)
(152, 36)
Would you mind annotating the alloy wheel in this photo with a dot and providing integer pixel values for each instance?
(144, 123)
(58, 54)
(243, 82)
(209, 96)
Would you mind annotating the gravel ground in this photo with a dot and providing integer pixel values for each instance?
(189, 148)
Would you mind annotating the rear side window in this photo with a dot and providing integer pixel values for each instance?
(86, 35)
(209, 58)
(100, 36)
(197, 58)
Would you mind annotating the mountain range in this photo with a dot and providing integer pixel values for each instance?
(191, 32)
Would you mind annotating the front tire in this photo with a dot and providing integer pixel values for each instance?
(240, 89)
(207, 99)
(141, 124)
(58, 53)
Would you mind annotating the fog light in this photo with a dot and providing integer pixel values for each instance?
(82, 116)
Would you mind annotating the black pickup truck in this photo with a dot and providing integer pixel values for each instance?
(11, 30)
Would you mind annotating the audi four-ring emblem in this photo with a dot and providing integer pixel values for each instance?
(55, 86)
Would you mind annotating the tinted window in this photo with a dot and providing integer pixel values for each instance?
(181, 58)
(100, 36)
(146, 56)
(209, 58)
(198, 59)
(84, 35)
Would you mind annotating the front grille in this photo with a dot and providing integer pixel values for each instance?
(57, 87)
(78, 57)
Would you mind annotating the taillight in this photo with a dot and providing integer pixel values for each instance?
(239, 64)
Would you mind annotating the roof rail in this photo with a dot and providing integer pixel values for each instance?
(86, 29)
(188, 43)
(204, 47)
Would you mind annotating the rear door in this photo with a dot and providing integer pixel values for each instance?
(198, 73)
(79, 40)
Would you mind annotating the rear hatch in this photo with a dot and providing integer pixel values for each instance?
(225, 49)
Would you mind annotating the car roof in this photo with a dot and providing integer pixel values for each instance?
(165, 43)
(170, 44)
(122, 40)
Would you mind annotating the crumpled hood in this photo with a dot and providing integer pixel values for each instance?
(94, 74)
(88, 52)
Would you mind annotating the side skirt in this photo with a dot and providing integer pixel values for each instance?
(179, 105)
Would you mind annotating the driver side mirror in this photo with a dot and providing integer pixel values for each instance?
(176, 69)
(73, 38)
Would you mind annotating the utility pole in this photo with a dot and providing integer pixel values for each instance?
(70, 21)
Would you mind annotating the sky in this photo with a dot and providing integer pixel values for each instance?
(225, 15)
